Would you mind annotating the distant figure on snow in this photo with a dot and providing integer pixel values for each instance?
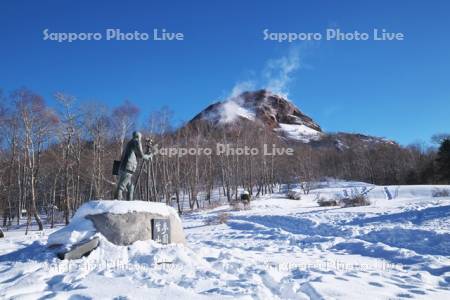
(245, 199)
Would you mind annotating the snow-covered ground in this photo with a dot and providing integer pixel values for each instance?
(279, 249)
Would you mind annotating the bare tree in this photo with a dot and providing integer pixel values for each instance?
(38, 123)
(124, 121)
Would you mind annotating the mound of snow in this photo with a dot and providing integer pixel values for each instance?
(145, 254)
(78, 230)
(122, 207)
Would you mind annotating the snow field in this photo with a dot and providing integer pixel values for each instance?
(279, 249)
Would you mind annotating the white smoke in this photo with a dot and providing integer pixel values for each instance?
(231, 108)
(275, 77)
(241, 87)
(278, 72)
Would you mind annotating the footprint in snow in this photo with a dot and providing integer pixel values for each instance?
(376, 284)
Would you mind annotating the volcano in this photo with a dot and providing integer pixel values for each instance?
(267, 109)
(283, 117)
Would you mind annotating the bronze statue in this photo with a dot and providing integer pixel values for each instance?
(128, 165)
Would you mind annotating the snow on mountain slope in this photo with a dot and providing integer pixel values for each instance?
(279, 249)
(300, 133)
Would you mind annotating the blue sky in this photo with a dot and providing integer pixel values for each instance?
(396, 89)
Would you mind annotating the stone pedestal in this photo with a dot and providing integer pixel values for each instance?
(120, 222)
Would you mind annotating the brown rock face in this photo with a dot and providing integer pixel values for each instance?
(268, 108)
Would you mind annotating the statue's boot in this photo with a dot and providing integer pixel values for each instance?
(119, 194)
(130, 192)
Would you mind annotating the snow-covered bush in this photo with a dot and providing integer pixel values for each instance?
(221, 218)
(327, 202)
(355, 200)
(293, 195)
(440, 193)
(322, 201)
(237, 205)
(240, 205)
(347, 200)
(306, 187)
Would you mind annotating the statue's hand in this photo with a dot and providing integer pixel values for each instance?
(147, 156)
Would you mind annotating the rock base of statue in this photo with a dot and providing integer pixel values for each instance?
(120, 222)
